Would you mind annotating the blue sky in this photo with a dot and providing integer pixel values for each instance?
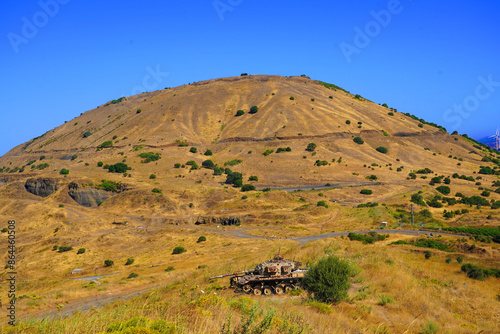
(438, 60)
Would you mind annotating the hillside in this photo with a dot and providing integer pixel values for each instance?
(137, 176)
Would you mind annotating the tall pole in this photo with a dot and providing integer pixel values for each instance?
(412, 215)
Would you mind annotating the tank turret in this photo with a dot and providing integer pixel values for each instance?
(273, 276)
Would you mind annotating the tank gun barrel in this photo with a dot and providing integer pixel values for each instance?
(238, 273)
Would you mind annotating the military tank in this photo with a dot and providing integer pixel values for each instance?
(273, 276)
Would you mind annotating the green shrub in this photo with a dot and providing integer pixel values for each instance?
(108, 263)
(87, 134)
(366, 192)
(233, 177)
(119, 168)
(321, 163)
(445, 190)
(129, 261)
(133, 275)
(208, 164)
(110, 186)
(193, 164)
(182, 143)
(240, 113)
(193, 149)
(152, 176)
(267, 152)
(292, 98)
(106, 144)
(64, 171)
(348, 122)
(358, 140)
(179, 250)
(328, 279)
(100, 164)
(233, 162)
(157, 191)
(448, 260)
(208, 152)
(311, 147)
(138, 111)
(150, 156)
(322, 203)
(253, 178)
(63, 249)
(247, 187)
(253, 110)
(428, 255)
(169, 268)
(201, 239)
(459, 259)
(381, 149)
(177, 165)
(80, 251)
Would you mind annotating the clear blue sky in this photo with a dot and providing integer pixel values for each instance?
(438, 60)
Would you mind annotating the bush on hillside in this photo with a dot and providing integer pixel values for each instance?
(358, 140)
(328, 280)
(253, 110)
(311, 147)
(381, 149)
(240, 113)
(179, 250)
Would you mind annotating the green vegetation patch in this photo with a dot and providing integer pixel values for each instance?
(425, 243)
(369, 238)
(150, 156)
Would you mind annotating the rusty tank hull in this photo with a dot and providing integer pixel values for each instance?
(275, 276)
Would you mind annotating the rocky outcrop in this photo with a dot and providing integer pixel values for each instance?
(41, 187)
(218, 220)
(88, 197)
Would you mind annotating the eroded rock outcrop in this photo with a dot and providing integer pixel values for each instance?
(42, 187)
(218, 220)
(88, 197)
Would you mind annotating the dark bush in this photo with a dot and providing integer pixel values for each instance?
(247, 187)
(193, 150)
(156, 190)
(63, 249)
(253, 110)
(267, 152)
(208, 164)
(119, 168)
(108, 263)
(87, 134)
(179, 250)
(233, 177)
(358, 140)
(428, 255)
(152, 176)
(311, 147)
(322, 203)
(129, 261)
(80, 251)
(328, 280)
(253, 178)
(149, 156)
(201, 239)
(366, 192)
(64, 171)
(445, 190)
(133, 275)
(106, 144)
(208, 152)
(381, 149)
(240, 113)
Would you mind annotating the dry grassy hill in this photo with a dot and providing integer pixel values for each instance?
(53, 187)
